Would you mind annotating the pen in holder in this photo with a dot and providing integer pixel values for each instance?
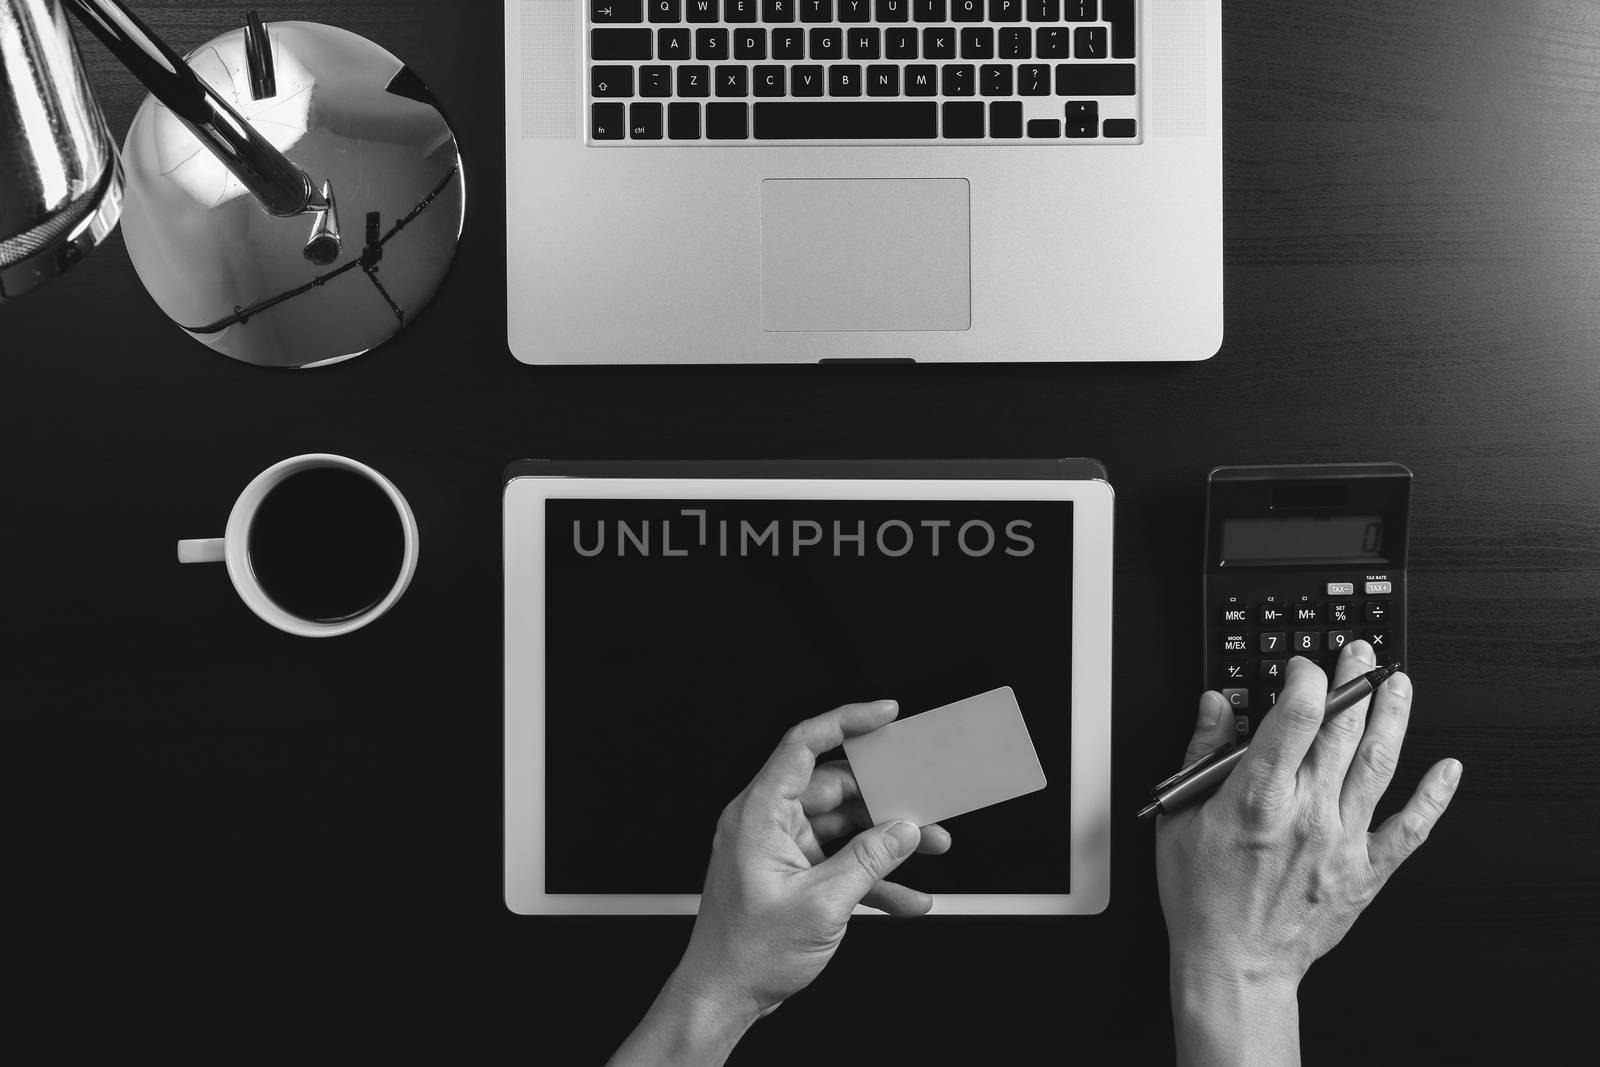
(294, 197)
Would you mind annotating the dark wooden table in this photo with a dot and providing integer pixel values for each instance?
(224, 845)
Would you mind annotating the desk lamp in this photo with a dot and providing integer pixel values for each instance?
(290, 195)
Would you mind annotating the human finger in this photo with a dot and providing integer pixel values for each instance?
(866, 860)
(1404, 832)
(1335, 743)
(898, 900)
(853, 815)
(831, 785)
(1378, 754)
(1279, 747)
(788, 770)
(1213, 728)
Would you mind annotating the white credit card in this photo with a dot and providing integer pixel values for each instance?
(948, 761)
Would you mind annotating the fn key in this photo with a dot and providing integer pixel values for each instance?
(608, 122)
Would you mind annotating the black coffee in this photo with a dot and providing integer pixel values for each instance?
(326, 544)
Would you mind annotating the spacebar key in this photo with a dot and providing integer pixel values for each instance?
(853, 120)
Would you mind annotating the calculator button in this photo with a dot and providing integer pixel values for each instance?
(1235, 643)
(1380, 588)
(1273, 642)
(1235, 616)
(1238, 699)
(1269, 699)
(1307, 642)
(1235, 672)
(1241, 725)
(1273, 613)
(1337, 639)
(1307, 613)
(1379, 640)
(1339, 611)
(1272, 671)
(1341, 588)
(1375, 610)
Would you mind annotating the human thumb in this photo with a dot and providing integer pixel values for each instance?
(1213, 727)
(868, 859)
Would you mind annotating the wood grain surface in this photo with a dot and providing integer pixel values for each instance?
(229, 846)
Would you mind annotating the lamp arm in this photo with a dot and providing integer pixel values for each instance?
(280, 186)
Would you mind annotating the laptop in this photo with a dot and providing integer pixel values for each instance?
(795, 181)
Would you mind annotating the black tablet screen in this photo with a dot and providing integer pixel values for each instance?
(684, 637)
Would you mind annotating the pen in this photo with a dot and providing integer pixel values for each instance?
(1208, 772)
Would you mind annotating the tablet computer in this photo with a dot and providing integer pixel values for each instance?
(666, 623)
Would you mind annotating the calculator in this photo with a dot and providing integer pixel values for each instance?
(1300, 561)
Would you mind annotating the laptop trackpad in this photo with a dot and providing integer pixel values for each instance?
(865, 254)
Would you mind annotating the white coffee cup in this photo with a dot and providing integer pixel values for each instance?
(233, 547)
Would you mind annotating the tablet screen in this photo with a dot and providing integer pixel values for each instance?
(685, 636)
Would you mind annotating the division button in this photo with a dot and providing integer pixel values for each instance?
(1375, 610)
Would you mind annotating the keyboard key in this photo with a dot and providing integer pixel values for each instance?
(694, 81)
(1034, 79)
(922, 79)
(611, 81)
(644, 121)
(607, 121)
(994, 79)
(1273, 613)
(963, 119)
(1307, 613)
(855, 10)
(966, 10)
(777, 10)
(1375, 610)
(1044, 10)
(1079, 130)
(750, 44)
(1272, 672)
(1016, 43)
(816, 10)
(728, 122)
(928, 10)
(732, 81)
(1238, 699)
(1089, 42)
(865, 44)
(768, 80)
(607, 11)
(620, 44)
(1122, 128)
(788, 44)
(955, 79)
(673, 44)
(1338, 610)
(711, 44)
(977, 43)
(939, 44)
(900, 43)
(655, 81)
(1083, 111)
(1081, 10)
(1093, 79)
(807, 80)
(683, 122)
(1337, 639)
(883, 80)
(1273, 644)
(703, 10)
(1005, 10)
(1054, 44)
(1235, 672)
(829, 120)
(1005, 119)
(844, 79)
(1231, 642)
(1307, 643)
(739, 10)
(827, 44)
(892, 10)
(665, 11)
(1120, 14)
(1042, 128)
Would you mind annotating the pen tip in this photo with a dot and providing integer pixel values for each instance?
(1149, 809)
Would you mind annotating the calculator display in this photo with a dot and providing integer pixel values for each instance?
(1278, 539)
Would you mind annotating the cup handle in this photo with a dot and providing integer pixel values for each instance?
(206, 550)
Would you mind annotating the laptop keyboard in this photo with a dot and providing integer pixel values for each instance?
(862, 71)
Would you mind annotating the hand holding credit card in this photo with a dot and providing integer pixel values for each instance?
(948, 761)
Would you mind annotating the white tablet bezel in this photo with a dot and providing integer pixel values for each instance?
(1090, 803)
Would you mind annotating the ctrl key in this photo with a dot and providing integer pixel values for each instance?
(608, 122)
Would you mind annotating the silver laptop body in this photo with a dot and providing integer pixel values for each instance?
(762, 181)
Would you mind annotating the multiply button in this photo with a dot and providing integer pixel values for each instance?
(1380, 588)
(1376, 610)
(1341, 588)
(1379, 640)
